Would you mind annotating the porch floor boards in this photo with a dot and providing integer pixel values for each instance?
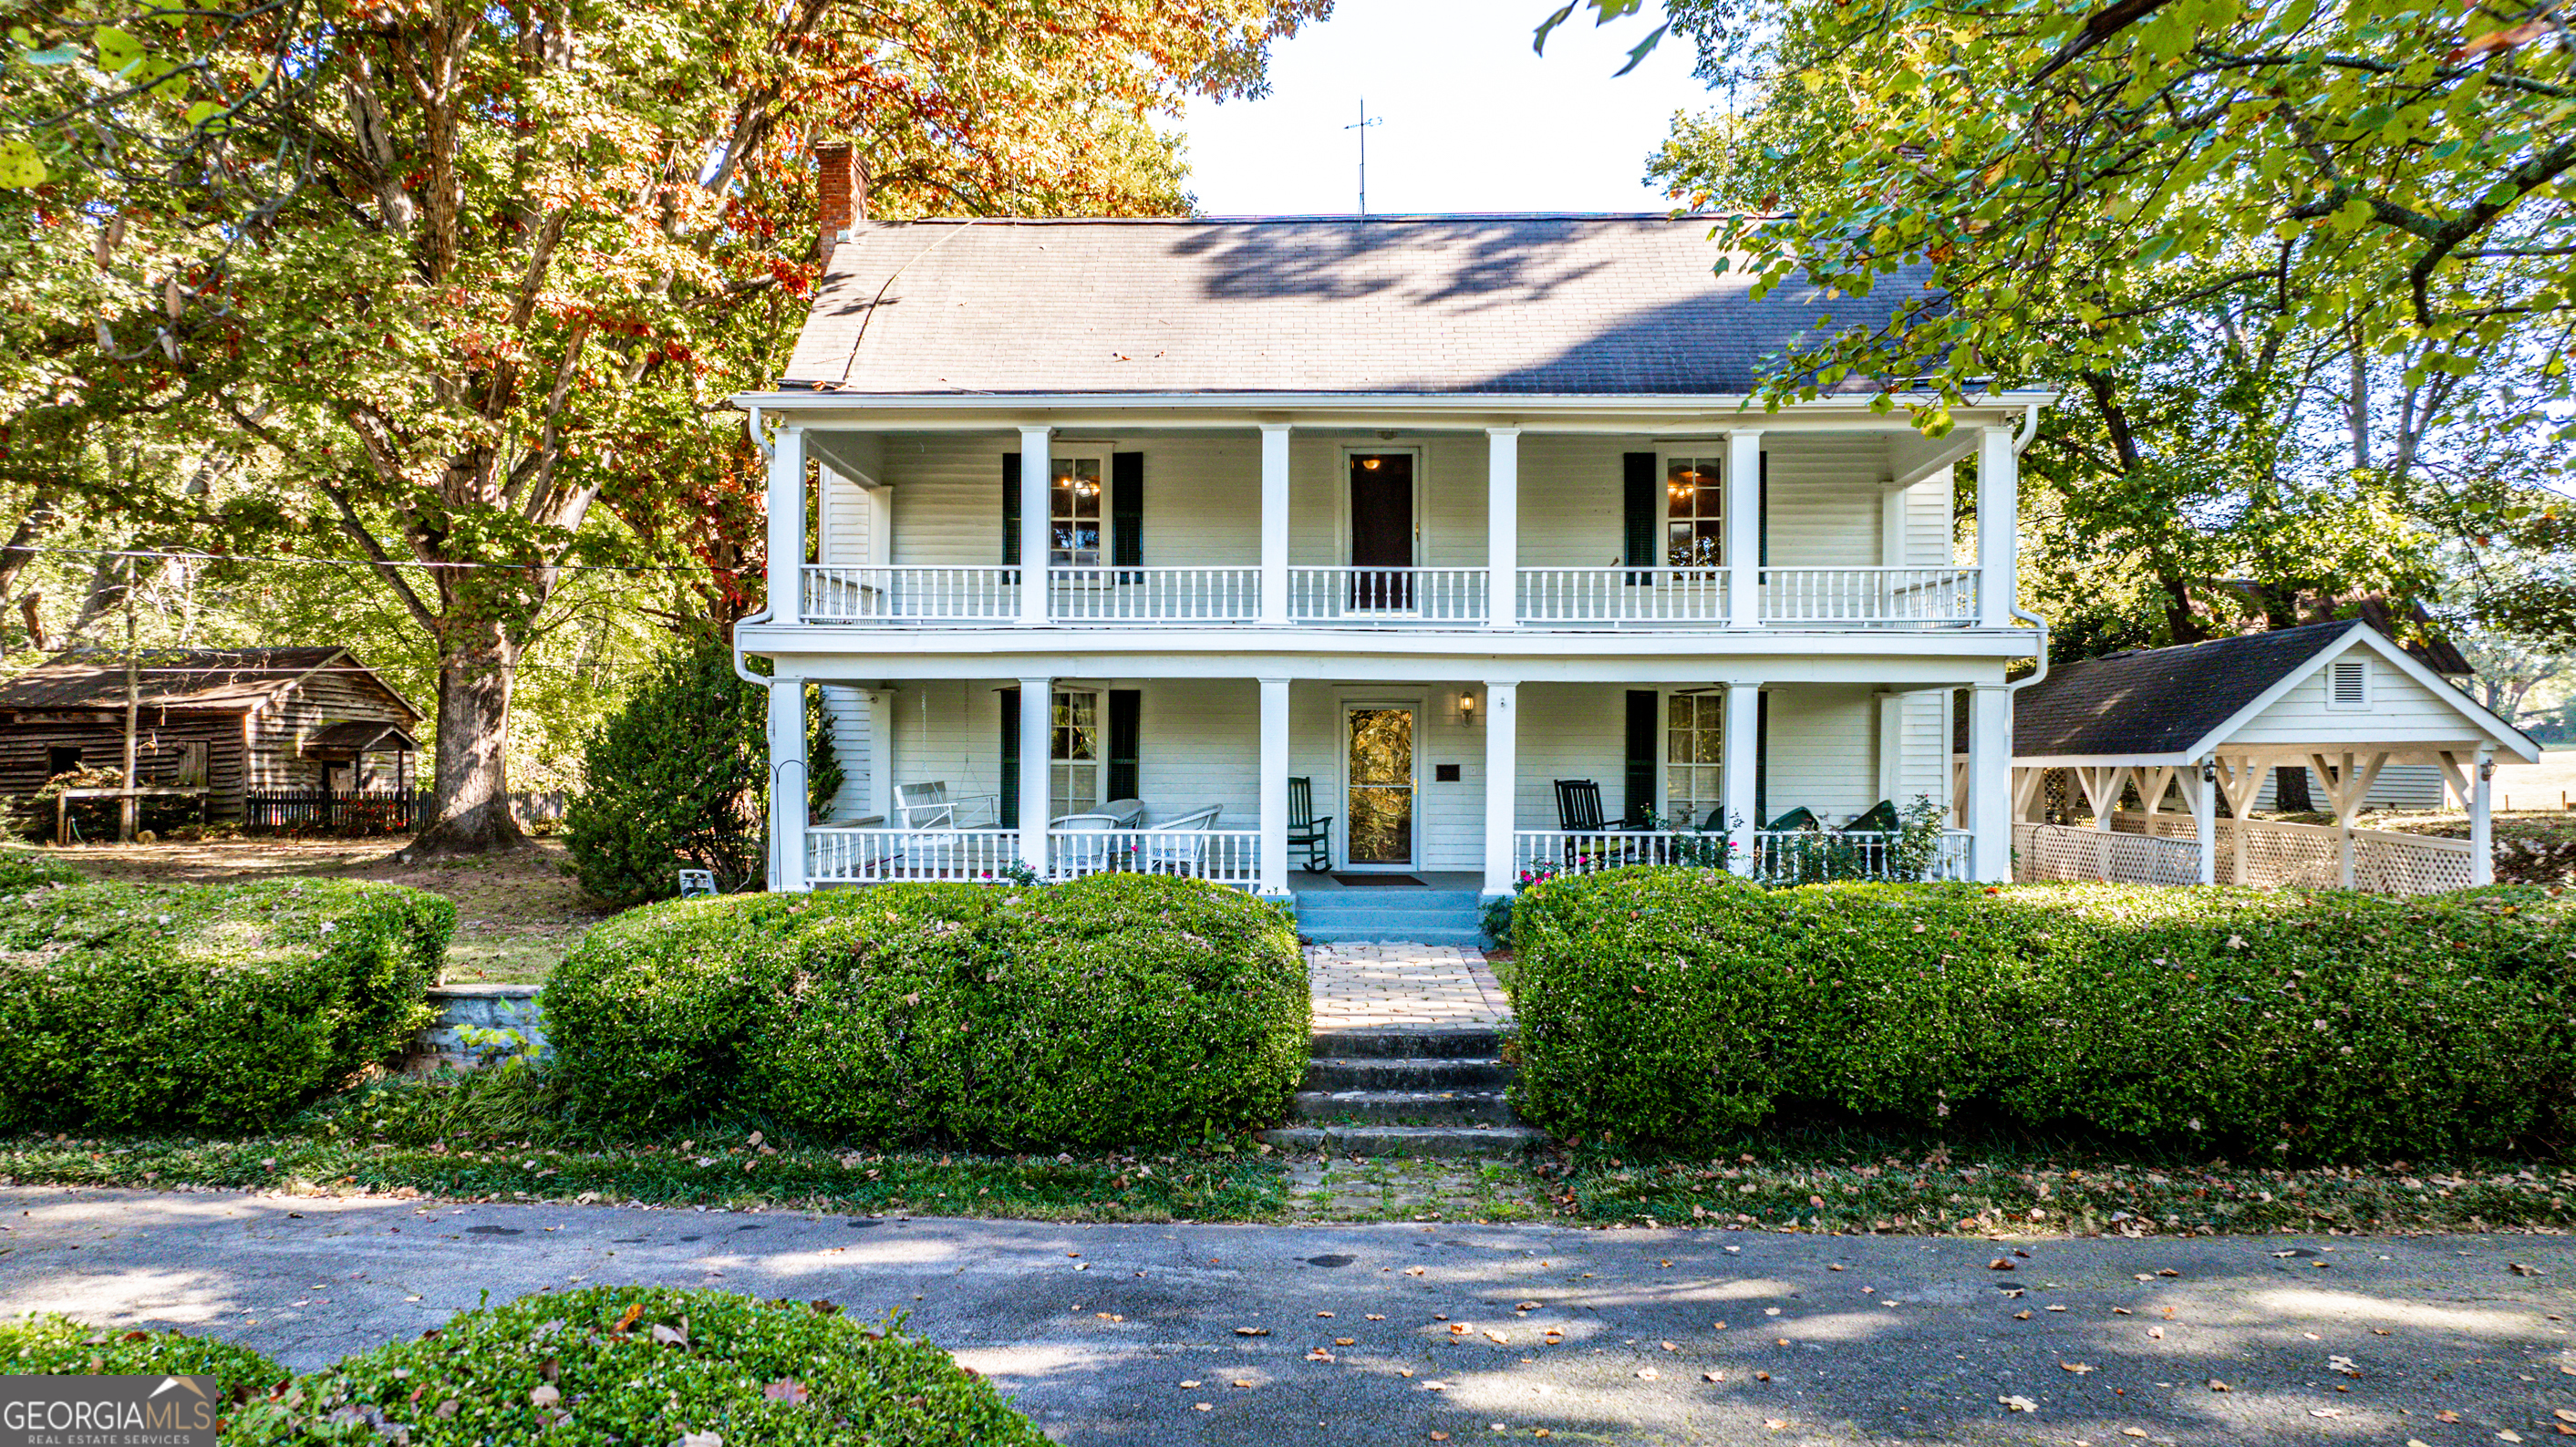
(1434, 987)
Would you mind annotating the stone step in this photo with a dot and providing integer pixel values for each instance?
(1405, 1140)
(1392, 932)
(1405, 1107)
(1407, 1073)
(1379, 900)
(1398, 1042)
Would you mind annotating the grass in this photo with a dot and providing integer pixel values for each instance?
(516, 913)
(1860, 1184)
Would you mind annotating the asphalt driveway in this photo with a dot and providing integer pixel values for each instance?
(1364, 1334)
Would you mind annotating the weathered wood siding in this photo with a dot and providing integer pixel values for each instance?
(28, 740)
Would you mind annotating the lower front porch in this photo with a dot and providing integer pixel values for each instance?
(1325, 786)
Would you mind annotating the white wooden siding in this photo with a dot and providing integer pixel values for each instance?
(1203, 500)
(2399, 786)
(847, 708)
(1199, 744)
(2401, 711)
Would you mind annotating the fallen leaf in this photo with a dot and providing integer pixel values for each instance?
(1346, 1341)
(2216, 1385)
(1242, 1383)
(1647, 1374)
(2519, 1269)
(2326, 1412)
(545, 1395)
(2133, 1431)
(2156, 1332)
(1252, 1331)
(2446, 1416)
(2004, 1263)
(2508, 1436)
(1185, 1386)
(2021, 1316)
(1203, 1406)
(785, 1389)
(1319, 1355)
(1712, 1376)
(2563, 1415)
(2078, 1368)
(2019, 1404)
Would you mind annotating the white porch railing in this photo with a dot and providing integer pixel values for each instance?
(910, 593)
(836, 855)
(1780, 857)
(1387, 597)
(1154, 595)
(1222, 856)
(1622, 597)
(1870, 596)
(871, 856)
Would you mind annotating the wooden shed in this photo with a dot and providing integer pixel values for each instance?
(305, 721)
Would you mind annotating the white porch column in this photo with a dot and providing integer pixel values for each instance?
(1502, 778)
(1891, 747)
(1998, 527)
(1274, 538)
(1502, 534)
(1037, 530)
(787, 526)
(1736, 763)
(787, 784)
(1743, 533)
(1274, 782)
(2200, 786)
(1037, 763)
(2482, 818)
(878, 797)
(1990, 783)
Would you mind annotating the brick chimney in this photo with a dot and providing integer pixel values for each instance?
(842, 188)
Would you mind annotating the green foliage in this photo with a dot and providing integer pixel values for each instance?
(213, 1007)
(647, 1364)
(1112, 1010)
(1679, 1007)
(24, 869)
(56, 1346)
(678, 777)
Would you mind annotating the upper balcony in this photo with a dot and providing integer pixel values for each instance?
(1150, 522)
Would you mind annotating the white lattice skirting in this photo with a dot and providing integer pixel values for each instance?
(2250, 851)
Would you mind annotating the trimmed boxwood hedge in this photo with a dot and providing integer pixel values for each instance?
(47, 1345)
(221, 1007)
(1120, 1009)
(645, 1365)
(1678, 1008)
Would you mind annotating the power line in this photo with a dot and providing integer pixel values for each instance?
(198, 557)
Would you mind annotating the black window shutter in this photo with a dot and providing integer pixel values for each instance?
(1126, 516)
(1644, 519)
(1765, 559)
(1010, 509)
(1125, 714)
(1010, 757)
(1761, 760)
(1645, 726)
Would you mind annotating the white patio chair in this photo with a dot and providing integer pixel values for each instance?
(1178, 846)
(927, 806)
(1089, 843)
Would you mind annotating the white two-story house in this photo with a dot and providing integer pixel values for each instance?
(1242, 547)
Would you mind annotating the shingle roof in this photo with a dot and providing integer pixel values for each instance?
(211, 678)
(1449, 304)
(2159, 700)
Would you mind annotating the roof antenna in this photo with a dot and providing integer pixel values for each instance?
(1362, 126)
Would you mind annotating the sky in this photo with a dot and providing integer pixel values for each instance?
(1473, 120)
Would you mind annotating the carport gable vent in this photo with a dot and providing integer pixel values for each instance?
(2348, 683)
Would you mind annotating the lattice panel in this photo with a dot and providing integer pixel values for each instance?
(2056, 851)
(2396, 864)
(2283, 855)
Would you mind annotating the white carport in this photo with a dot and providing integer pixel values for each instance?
(2206, 722)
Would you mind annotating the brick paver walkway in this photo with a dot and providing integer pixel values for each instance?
(1357, 986)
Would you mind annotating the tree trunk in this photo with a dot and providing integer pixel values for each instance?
(2290, 790)
(470, 798)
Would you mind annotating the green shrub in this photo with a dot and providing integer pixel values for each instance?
(1113, 1010)
(213, 1007)
(24, 869)
(646, 1365)
(57, 1346)
(1678, 1007)
(678, 778)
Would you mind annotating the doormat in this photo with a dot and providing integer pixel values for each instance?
(1377, 881)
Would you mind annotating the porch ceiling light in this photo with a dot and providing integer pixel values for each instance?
(1369, 463)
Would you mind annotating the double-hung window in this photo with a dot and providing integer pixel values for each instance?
(1694, 513)
(1077, 754)
(1694, 756)
(1077, 511)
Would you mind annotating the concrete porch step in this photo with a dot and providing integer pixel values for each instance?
(1392, 931)
(1405, 1107)
(1383, 900)
(1406, 1042)
(1406, 1073)
(1405, 1140)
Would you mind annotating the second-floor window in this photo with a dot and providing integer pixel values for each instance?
(1075, 784)
(1076, 511)
(1694, 521)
